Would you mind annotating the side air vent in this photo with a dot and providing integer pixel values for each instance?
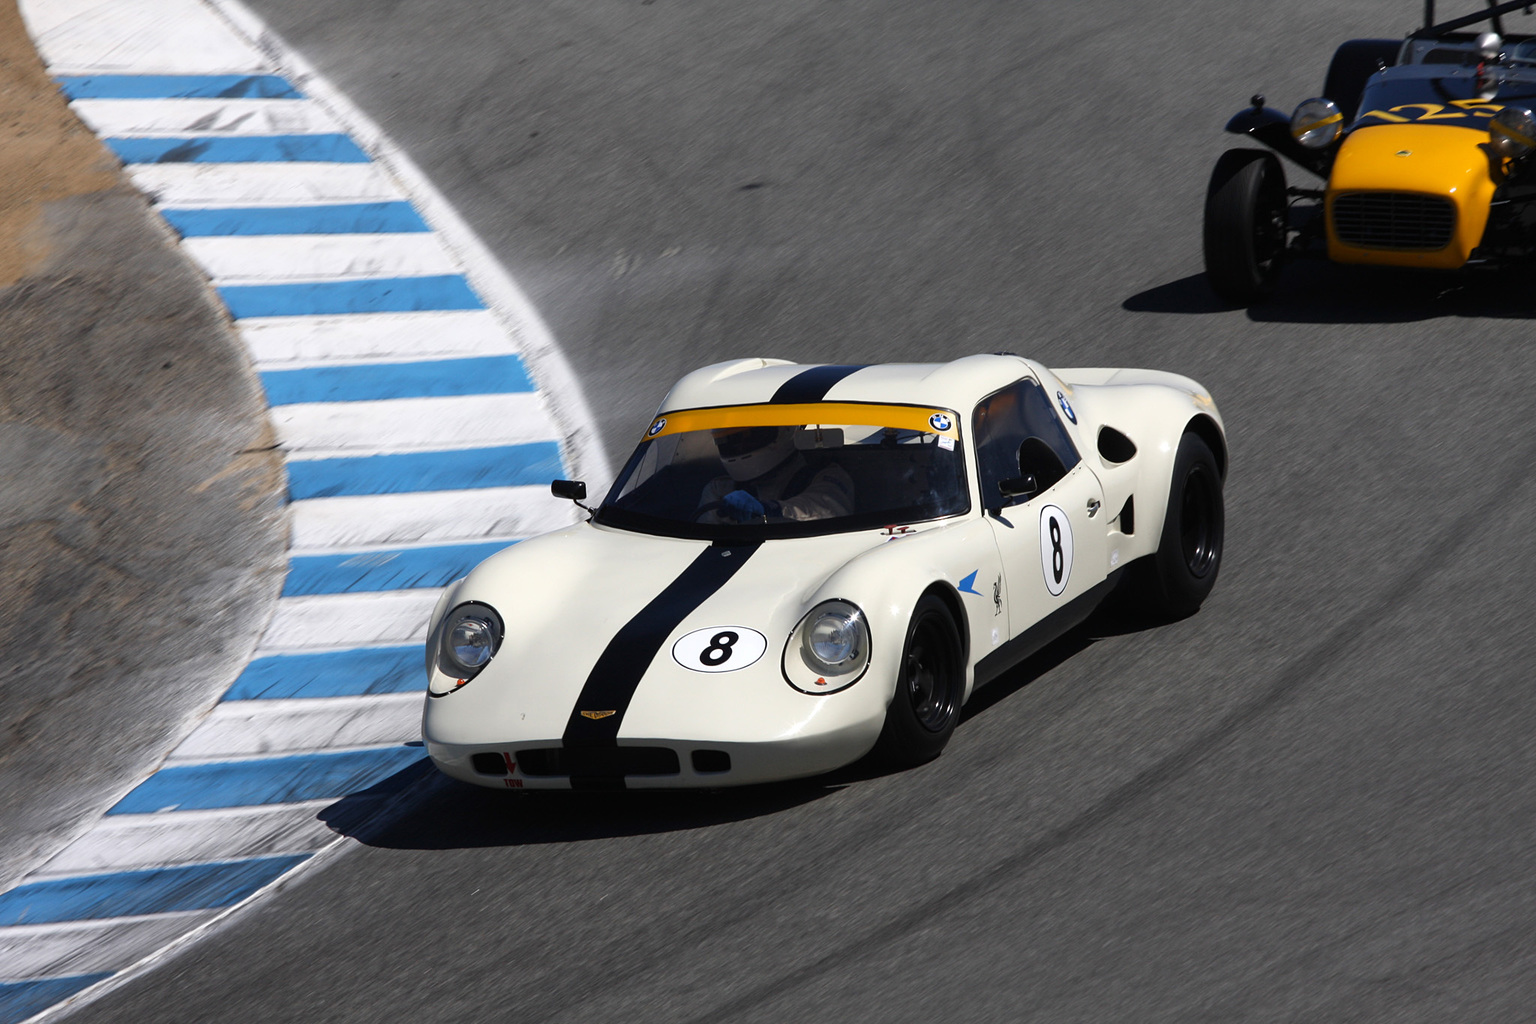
(1115, 447)
(1127, 517)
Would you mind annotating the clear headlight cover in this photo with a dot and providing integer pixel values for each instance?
(468, 640)
(1317, 123)
(1512, 132)
(829, 650)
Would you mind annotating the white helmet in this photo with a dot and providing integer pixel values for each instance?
(749, 452)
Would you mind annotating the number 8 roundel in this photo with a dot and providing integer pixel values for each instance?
(719, 648)
(1055, 549)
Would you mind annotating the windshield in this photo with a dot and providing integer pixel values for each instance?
(1451, 98)
(765, 471)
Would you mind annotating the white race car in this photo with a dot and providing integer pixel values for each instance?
(803, 565)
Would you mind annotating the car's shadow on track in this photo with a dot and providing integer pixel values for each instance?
(1316, 292)
(420, 809)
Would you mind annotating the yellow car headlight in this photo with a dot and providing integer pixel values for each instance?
(1317, 123)
(1512, 132)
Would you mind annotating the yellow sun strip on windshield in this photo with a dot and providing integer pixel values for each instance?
(903, 417)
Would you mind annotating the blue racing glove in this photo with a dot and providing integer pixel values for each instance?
(742, 506)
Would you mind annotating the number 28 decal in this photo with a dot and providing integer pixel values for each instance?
(1055, 549)
(719, 648)
(1457, 110)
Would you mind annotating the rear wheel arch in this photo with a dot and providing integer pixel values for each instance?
(1206, 429)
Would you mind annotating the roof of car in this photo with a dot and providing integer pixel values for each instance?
(954, 385)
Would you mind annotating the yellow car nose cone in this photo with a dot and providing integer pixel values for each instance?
(1410, 195)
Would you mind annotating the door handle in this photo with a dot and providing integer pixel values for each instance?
(1093, 507)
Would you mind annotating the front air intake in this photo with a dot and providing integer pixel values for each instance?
(1394, 220)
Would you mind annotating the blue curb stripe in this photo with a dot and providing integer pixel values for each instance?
(22, 999)
(239, 149)
(467, 469)
(177, 87)
(335, 219)
(374, 295)
(275, 780)
(363, 671)
(129, 893)
(406, 569)
(441, 378)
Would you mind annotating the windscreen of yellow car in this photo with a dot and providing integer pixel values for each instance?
(762, 471)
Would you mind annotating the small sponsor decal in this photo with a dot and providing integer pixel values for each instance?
(1066, 406)
(997, 596)
(947, 443)
(896, 531)
(940, 421)
(657, 427)
(968, 585)
(719, 648)
(595, 715)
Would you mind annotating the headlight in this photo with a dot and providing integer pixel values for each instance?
(829, 649)
(1317, 123)
(468, 639)
(1512, 132)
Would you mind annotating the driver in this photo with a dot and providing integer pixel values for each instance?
(767, 478)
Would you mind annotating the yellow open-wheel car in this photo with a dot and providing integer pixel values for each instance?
(1423, 146)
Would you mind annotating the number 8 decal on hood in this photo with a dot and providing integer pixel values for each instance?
(719, 648)
(1055, 549)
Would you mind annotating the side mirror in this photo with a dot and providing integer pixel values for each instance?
(575, 490)
(1019, 486)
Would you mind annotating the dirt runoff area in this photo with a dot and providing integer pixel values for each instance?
(142, 530)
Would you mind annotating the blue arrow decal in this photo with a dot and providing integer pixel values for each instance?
(967, 585)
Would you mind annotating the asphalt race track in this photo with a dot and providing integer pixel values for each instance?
(1310, 801)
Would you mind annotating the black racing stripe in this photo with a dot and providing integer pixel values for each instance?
(812, 385)
(613, 680)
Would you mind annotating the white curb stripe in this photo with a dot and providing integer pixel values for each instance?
(130, 842)
(411, 424)
(380, 519)
(326, 621)
(109, 36)
(262, 184)
(206, 116)
(254, 727)
(82, 947)
(269, 259)
(278, 343)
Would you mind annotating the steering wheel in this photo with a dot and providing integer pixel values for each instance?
(707, 508)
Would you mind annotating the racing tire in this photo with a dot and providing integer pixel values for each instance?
(1245, 225)
(1352, 66)
(1180, 574)
(929, 688)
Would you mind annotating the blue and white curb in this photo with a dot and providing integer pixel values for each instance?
(422, 409)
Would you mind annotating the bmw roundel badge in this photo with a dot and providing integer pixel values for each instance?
(940, 421)
(661, 422)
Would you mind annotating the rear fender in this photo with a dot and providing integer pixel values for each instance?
(1153, 410)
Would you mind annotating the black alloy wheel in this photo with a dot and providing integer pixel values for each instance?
(1200, 520)
(1176, 580)
(925, 707)
(1246, 225)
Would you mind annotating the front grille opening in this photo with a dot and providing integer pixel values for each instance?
(710, 762)
(598, 762)
(1394, 220)
(488, 763)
